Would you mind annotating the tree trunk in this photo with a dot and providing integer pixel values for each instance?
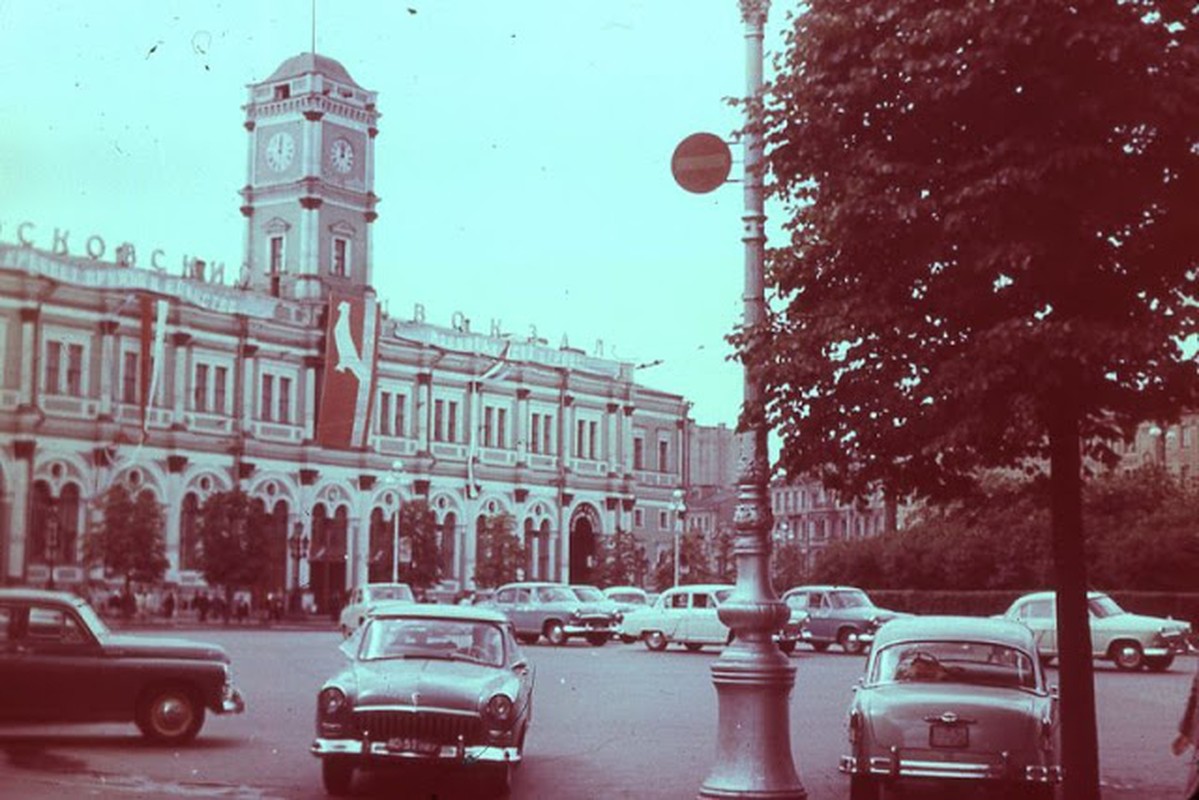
(1080, 742)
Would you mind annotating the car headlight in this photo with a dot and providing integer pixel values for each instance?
(499, 710)
(332, 701)
(576, 615)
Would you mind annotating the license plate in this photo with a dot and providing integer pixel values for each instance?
(949, 736)
(404, 744)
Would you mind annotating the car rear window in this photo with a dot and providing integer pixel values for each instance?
(959, 662)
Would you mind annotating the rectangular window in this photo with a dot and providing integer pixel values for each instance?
(452, 423)
(535, 434)
(439, 420)
(284, 399)
(268, 396)
(275, 265)
(75, 370)
(501, 424)
(53, 366)
(638, 518)
(129, 379)
(580, 431)
(385, 413)
(547, 432)
(663, 456)
(489, 427)
(638, 452)
(341, 249)
(592, 427)
(200, 388)
(663, 521)
(398, 427)
(220, 383)
(282, 91)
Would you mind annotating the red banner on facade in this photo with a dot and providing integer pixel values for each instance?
(351, 354)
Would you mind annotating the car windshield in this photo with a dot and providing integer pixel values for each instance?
(971, 663)
(589, 594)
(401, 592)
(850, 600)
(438, 639)
(555, 594)
(92, 620)
(1103, 606)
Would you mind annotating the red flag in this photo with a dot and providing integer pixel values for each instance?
(351, 354)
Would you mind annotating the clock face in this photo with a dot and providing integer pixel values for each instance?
(341, 155)
(279, 151)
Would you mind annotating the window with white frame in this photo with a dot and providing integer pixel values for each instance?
(65, 363)
(541, 432)
(638, 451)
(130, 377)
(638, 518)
(210, 386)
(341, 256)
(586, 437)
(275, 397)
(275, 255)
(393, 410)
(445, 420)
(663, 520)
(495, 426)
(663, 455)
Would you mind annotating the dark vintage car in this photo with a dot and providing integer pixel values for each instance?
(957, 701)
(59, 662)
(553, 610)
(840, 615)
(426, 685)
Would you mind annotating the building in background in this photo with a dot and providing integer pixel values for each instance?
(120, 365)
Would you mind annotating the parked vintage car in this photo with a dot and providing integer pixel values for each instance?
(1130, 641)
(688, 615)
(953, 700)
(552, 610)
(59, 662)
(592, 596)
(841, 615)
(627, 598)
(365, 597)
(426, 685)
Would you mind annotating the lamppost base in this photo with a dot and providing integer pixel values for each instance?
(753, 683)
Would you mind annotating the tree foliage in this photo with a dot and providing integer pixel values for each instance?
(622, 560)
(235, 548)
(418, 524)
(695, 563)
(499, 551)
(128, 540)
(991, 256)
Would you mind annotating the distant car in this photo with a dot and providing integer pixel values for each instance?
(841, 615)
(689, 615)
(363, 598)
(552, 610)
(593, 596)
(59, 662)
(426, 685)
(627, 598)
(1130, 641)
(956, 701)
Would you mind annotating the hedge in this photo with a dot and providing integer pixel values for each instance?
(1177, 605)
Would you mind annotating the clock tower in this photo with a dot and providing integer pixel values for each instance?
(308, 200)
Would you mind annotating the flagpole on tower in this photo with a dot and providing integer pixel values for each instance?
(313, 50)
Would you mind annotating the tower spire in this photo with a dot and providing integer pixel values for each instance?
(313, 48)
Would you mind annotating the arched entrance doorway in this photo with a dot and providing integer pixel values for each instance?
(584, 528)
(327, 558)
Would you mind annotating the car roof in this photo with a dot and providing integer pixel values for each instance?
(624, 589)
(1051, 594)
(824, 587)
(953, 628)
(435, 611)
(23, 593)
(699, 587)
(531, 585)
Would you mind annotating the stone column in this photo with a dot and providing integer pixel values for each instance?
(176, 468)
(424, 381)
(109, 363)
(627, 455)
(30, 354)
(182, 352)
(310, 366)
(249, 386)
(522, 427)
(22, 489)
(610, 453)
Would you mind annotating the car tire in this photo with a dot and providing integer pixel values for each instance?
(788, 647)
(527, 638)
(655, 640)
(864, 787)
(849, 642)
(598, 639)
(819, 647)
(1159, 663)
(337, 774)
(554, 633)
(170, 715)
(1127, 656)
(694, 647)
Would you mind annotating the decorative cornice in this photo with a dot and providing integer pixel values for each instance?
(567, 498)
(370, 216)
(308, 476)
(421, 486)
(372, 132)
(249, 350)
(613, 408)
(627, 503)
(611, 503)
(313, 116)
(521, 494)
(176, 464)
(629, 409)
(244, 470)
(247, 211)
(311, 203)
(568, 400)
(424, 378)
(522, 393)
(753, 12)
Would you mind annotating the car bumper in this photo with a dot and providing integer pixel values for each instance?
(231, 702)
(383, 752)
(895, 766)
(587, 628)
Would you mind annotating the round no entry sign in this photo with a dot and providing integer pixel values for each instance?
(701, 162)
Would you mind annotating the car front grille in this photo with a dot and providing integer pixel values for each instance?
(428, 726)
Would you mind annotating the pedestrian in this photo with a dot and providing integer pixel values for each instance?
(202, 605)
(1188, 735)
(168, 605)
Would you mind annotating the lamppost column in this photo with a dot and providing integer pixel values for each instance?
(752, 677)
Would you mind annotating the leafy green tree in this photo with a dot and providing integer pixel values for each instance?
(787, 567)
(991, 258)
(128, 540)
(499, 551)
(622, 558)
(419, 525)
(724, 564)
(235, 548)
(695, 564)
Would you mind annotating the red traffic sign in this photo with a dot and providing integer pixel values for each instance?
(701, 162)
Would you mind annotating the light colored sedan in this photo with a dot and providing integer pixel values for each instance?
(1130, 641)
(364, 599)
(954, 701)
(683, 615)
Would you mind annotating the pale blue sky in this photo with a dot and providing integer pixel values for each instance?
(523, 159)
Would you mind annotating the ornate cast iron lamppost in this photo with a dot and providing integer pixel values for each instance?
(753, 679)
(298, 543)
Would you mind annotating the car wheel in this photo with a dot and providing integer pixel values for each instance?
(849, 641)
(527, 638)
(655, 640)
(787, 646)
(694, 647)
(1159, 663)
(597, 639)
(1128, 656)
(864, 787)
(170, 715)
(819, 647)
(337, 774)
(555, 634)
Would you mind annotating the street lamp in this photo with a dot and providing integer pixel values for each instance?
(51, 545)
(679, 509)
(393, 478)
(298, 545)
(752, 677)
